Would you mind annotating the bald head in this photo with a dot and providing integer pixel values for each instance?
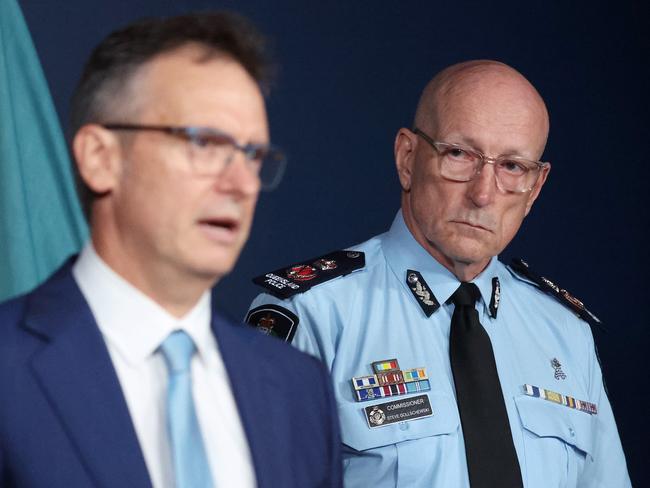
(482, 107)
(494, 89)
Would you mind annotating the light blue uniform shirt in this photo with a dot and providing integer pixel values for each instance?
(371, 315)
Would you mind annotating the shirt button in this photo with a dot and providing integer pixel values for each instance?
(572, 432)
(403, 426)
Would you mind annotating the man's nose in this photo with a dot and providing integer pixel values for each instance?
(239, 177)
(483, 187)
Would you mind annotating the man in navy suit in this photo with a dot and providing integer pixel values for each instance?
(117, 372)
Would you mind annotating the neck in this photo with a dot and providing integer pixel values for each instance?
(176, 292)
(466, 271)
(463, 270)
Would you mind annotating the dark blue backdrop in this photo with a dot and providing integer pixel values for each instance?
(351, 73)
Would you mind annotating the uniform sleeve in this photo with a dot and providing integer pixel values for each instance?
(317, 326)
(607, 467)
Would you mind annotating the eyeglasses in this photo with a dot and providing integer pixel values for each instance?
(460, 163)
(211, 151)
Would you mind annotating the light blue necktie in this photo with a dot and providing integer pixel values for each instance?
(191, 466)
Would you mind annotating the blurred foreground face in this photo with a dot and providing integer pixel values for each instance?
(167, 216)
(468, 222)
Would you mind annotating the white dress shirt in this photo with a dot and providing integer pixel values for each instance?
(133, 327)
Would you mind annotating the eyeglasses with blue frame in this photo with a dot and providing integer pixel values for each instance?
(212, 150)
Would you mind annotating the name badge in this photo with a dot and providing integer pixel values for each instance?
(398, 411)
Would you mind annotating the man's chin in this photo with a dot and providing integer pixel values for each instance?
(214, 265)
(470, 253)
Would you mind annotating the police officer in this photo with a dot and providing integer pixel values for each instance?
(450, 368)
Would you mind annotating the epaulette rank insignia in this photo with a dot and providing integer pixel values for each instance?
(521, 267)
(298, 278)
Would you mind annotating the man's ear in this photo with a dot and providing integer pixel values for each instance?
(405, 144)
(97, 152)
(534, 193)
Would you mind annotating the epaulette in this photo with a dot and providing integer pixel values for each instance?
(300, 277)
(522, 268)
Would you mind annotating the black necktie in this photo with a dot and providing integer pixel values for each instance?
(491, 457)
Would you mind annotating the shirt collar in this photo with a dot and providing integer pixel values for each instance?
(484, 281)
(403, 252)
(130, 321)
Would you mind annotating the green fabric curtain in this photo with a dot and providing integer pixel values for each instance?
(41, 222)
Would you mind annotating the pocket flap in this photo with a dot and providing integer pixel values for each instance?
(547, 419)
(356, 434)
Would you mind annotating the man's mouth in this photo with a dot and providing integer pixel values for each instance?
(473, 225)
(220, 222)
(221, 229)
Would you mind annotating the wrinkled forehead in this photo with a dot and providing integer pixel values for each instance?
(493, 103)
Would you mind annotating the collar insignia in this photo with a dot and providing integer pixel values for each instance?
(496, 297)
(421, 292)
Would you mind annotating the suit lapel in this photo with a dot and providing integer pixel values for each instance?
(253, 387)
(77, 375)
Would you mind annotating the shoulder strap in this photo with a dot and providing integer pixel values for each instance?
(300, 277)
(521, 268)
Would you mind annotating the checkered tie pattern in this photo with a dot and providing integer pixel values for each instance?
(191, 468)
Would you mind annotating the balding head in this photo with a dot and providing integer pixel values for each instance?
(477, 106)
(487, 83)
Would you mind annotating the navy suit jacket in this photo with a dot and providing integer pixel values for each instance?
(64, 421)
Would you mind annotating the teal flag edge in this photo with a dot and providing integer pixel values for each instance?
(41, 222)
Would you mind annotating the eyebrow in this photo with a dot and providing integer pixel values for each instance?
(473, 143)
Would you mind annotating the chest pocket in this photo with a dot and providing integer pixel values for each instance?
(555, 437)
(356, 434)
(548, 419)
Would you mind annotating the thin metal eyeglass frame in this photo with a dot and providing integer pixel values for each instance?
(190, 134)
(484, 160)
